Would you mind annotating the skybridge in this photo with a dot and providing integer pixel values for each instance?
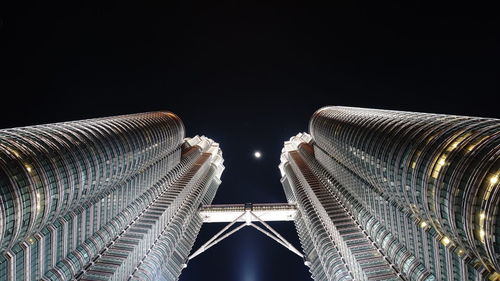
(253, 215)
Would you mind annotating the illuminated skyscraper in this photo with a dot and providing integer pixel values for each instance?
(385, 195)
(103, 199)
(374, 194)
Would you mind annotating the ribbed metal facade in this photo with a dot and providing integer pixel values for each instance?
(423, 189)
(101, 199)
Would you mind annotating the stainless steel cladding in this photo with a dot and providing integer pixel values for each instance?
(88, 199)
(423, 187)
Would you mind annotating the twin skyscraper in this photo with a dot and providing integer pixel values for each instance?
(376, 195)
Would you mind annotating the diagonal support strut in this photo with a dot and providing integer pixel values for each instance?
(246, 219)
(209, 244)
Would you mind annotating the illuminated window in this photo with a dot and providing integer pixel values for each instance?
(482, 233)
(423, 224)
(482, 216)
(454, 144)
(14, 152)
(491, 183)
(445, 241)
(437, 168)
(473, 145)
(494, 179)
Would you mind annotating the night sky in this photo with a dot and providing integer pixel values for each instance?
(249, 75)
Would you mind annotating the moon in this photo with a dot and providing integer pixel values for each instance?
(257, 154)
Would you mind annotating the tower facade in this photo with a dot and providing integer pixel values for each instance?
(103, 199)
(396, 195)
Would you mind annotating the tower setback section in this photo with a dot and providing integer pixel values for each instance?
(387, 195)
(103, 199)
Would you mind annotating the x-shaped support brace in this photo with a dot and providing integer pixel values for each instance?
(267, 230)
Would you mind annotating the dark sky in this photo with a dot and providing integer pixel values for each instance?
(249, 75)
